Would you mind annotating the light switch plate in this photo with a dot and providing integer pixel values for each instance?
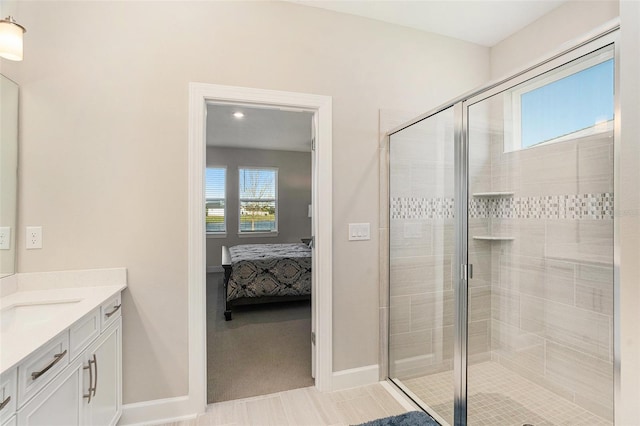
(359, 231)
(5, 237)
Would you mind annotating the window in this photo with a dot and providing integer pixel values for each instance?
(572, 101)
(215, 194)
(258, 200)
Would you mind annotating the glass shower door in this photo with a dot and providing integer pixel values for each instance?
(540, 239)
(421, 239)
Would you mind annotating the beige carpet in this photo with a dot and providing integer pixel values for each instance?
(264, 349)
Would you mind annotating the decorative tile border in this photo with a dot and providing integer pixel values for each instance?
(421, 208)
(575, 206)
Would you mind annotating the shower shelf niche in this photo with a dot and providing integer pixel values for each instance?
(492, 194)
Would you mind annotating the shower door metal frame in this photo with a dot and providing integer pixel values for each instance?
(461, 265)
(608, 37)
(603, 36)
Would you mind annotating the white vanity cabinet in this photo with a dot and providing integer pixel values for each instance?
(104, 358)
(8, 398)
(82, 382)
(12, 421)
(60, 401)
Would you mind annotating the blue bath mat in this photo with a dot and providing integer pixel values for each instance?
(412, 418)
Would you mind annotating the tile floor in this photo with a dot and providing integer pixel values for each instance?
(302, 407)
(499, 397)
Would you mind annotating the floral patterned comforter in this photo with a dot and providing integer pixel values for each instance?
(260, 270)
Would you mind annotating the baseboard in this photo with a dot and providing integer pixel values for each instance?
(355, 377)
(157, 411)
(214, 269)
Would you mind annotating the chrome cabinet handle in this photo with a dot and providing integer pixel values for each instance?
(95, 366)
(5, 402)
(56, 359)
(91, 382)
(115, 309)
(88, 394)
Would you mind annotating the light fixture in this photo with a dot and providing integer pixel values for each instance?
(11, 39)
(238, 114)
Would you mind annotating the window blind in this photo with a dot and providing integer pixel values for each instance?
(215, 194)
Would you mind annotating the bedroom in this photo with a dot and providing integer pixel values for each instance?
(258, 196)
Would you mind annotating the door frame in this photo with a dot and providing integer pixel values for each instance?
(199, 95)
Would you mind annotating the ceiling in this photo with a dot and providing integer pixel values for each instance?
(260, 128)
(477, 21)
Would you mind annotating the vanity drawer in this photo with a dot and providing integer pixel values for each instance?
(41, 366)
(83, 332)
(110, 311)
(8, 394)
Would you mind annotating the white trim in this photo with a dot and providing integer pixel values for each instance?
(218, 268)
(354, 377)
(424, 407)
(216, 235)
(157, 411)
(251, 234)
(402, 399)
(199, 95)
(513, 101)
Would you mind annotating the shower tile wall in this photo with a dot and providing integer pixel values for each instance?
(551, 287)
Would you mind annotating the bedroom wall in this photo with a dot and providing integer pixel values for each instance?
(294, 196)
(103, 160)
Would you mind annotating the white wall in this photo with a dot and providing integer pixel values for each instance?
(629, 214)
(103, 163)
(562, 25)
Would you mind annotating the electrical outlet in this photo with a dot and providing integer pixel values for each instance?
(5, 237)
(34, 237)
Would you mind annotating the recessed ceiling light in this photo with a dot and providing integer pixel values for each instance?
(238, 114)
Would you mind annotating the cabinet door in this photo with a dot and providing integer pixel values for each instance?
(11, 422)
(105, 356)
(59, 402)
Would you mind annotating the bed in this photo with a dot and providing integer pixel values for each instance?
(263, 273)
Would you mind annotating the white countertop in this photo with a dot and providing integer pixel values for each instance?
(42, 315)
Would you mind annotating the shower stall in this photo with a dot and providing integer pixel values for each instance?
(502, 272)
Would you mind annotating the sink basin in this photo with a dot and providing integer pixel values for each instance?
(29, 315)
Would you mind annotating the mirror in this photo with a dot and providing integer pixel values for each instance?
(8, 174)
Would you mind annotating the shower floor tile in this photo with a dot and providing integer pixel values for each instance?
(498, 396)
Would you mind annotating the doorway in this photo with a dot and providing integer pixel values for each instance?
(201, 94)
(258, 193)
